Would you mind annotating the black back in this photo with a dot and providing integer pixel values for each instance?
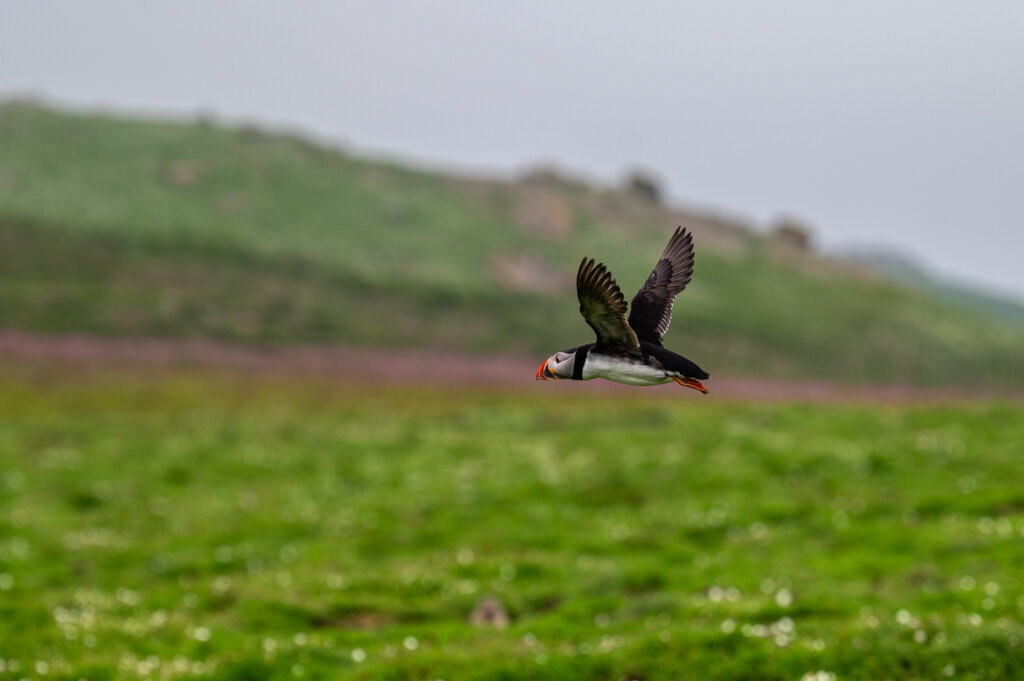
(671, 361)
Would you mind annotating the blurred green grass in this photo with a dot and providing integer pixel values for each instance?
(216, 527)
(193, 229)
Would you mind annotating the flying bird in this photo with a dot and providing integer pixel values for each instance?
(630, 351)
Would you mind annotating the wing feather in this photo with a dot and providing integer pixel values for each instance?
(604, 307)
(651, 310)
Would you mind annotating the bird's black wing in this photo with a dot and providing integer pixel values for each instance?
(651, 310)
(604, 307)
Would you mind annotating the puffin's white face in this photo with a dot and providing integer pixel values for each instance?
(558, 365)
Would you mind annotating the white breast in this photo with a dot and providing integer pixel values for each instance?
(622, 370)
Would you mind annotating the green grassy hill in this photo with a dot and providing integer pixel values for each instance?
(182, 229)
(908, 271)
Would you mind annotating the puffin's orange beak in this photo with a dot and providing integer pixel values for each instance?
(543, 373)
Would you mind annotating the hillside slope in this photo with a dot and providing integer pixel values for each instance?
(906, 270)
(190, 229)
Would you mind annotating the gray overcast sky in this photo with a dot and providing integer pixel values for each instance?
(892, 123)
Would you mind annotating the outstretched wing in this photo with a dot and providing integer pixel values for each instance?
(604, 307)
(651, 310)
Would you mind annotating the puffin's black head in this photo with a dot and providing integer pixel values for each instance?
(558, 365)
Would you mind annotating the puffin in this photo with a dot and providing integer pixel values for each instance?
(630, 350)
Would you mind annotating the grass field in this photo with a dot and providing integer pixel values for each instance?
(214, 527)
